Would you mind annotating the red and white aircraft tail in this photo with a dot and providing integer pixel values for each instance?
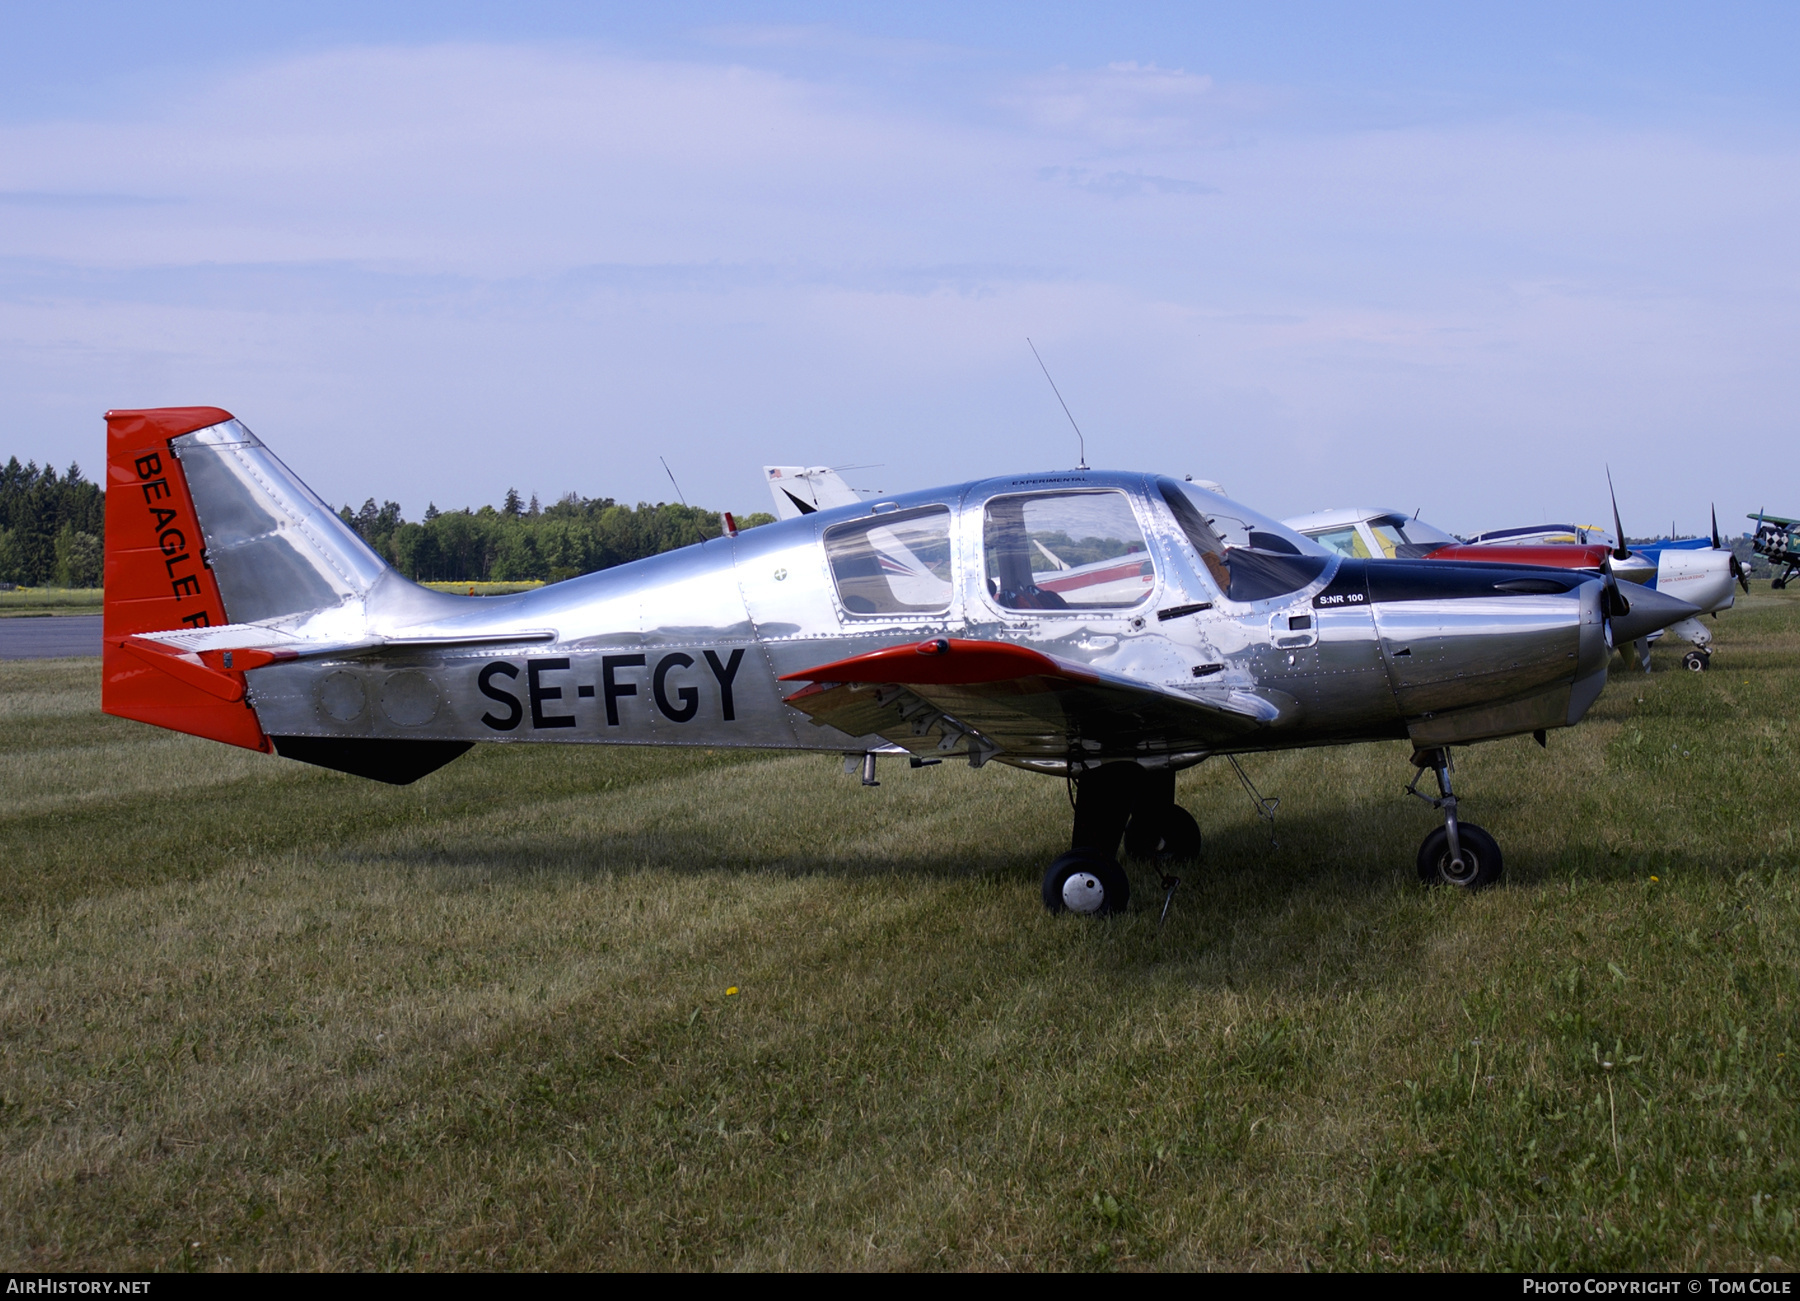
(213, 546)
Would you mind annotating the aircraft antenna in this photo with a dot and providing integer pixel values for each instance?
(678, 494)
(1065, 406)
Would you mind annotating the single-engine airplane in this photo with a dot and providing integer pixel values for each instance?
(1700, 571)
(1364, 534)
(240, 607)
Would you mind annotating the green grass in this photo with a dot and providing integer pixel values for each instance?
(50, 600)
(306, 1021)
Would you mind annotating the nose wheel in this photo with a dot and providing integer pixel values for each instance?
(1478, 865)
(1457, 853)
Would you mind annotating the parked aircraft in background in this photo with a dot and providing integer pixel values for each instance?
(1361, 533)
(1778, 540)
(1551, 535)
(800, 490)
(1700, 572)
(240, 607)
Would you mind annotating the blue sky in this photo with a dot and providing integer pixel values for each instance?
(1391, 255)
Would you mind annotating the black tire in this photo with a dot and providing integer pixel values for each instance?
(1114, 887)
(1696, 661)
(1778, 584)
(1166, 832)
(1481, 854)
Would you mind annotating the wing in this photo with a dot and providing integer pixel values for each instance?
(996, 699)
(1780, 520)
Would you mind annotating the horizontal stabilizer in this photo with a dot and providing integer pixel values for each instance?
(253, 645)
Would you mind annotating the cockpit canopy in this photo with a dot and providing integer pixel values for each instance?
(1372, 534)
(1250, 556)
(1077, 547)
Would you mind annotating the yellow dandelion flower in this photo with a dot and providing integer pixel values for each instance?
(729, 992)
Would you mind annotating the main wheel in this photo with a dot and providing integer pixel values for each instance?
(1168, 831)
(1778, 584)
(1088, 882)
(1482, 863)
(1696, 661)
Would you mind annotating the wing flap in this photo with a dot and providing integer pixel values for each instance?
(1021, 702)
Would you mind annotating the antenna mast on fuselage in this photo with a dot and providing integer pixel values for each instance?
(1065, 406)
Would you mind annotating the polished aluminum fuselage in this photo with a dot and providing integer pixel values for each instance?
(689, 647)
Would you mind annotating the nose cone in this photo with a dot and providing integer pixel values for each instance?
(1650, 610)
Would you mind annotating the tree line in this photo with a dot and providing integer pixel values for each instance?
(518, 540)
(53, 526)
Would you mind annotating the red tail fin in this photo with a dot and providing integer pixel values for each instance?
(157, 579)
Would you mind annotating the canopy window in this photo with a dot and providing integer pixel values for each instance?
(1249, 556)
(1066, 551)
(892, 564)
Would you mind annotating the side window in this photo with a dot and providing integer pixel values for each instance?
(1066, 551)
(892, 564)
(1345, 541)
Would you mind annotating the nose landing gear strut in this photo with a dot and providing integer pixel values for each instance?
(1457, 853)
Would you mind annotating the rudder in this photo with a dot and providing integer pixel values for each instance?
(157, 579)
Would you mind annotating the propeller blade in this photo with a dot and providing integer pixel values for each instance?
(1620, 550)
(1737, 572)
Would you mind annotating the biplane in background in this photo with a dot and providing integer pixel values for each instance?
(1777, 540)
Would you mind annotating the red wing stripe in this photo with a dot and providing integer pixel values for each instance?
(946, 661)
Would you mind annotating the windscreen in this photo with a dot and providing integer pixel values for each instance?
(1250, 556)
(1414, 531)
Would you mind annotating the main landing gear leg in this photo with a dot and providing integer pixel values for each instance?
(1088, 879)
(1457, 853)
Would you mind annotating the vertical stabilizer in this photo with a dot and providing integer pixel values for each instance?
(157, 579)
(204, 526)
(800, 490)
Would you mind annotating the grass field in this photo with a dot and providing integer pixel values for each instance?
(50, 600)
(260, 1015)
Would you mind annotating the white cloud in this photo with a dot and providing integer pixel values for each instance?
(404, 256)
